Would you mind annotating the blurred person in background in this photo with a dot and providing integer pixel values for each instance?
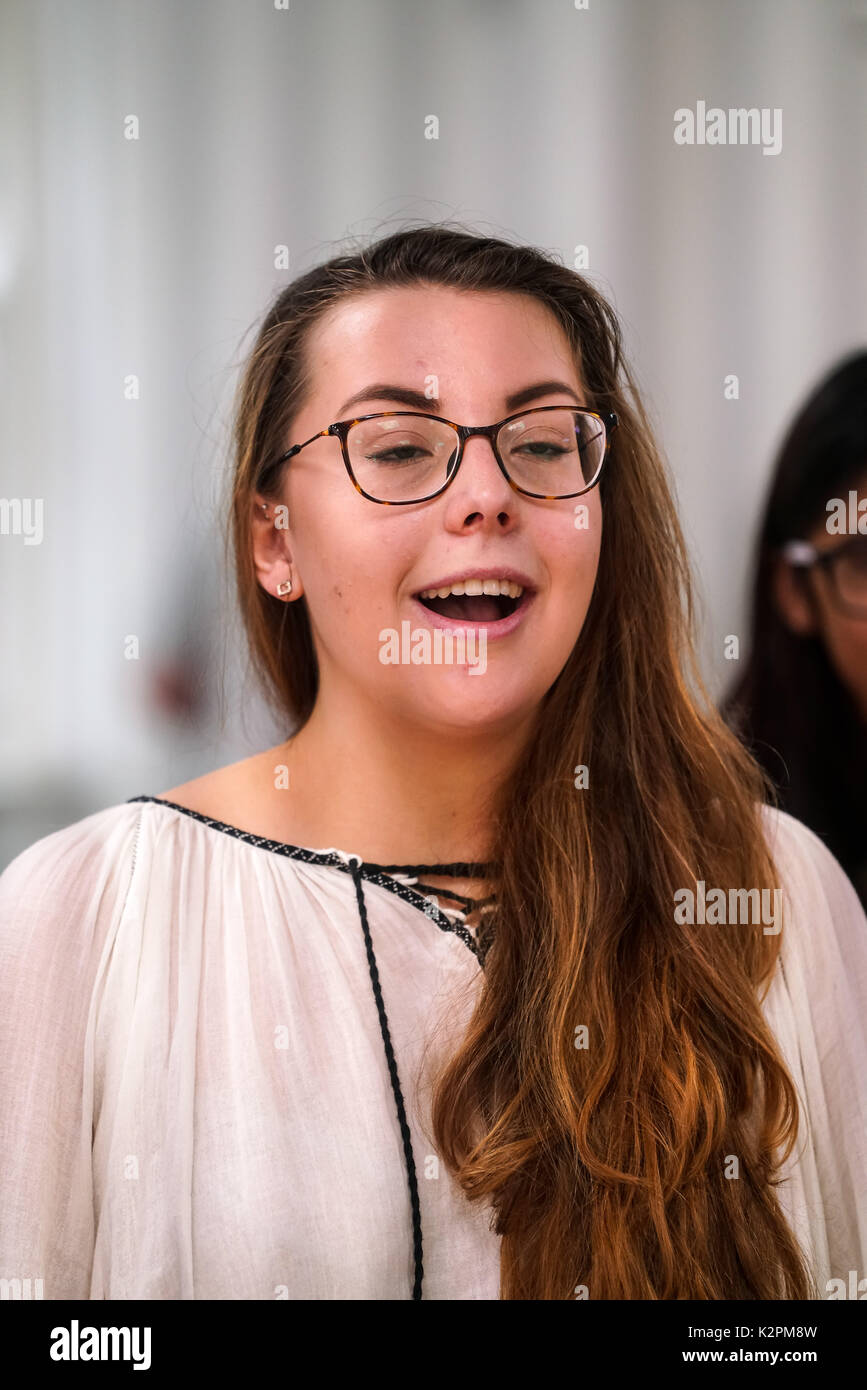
(801, 703)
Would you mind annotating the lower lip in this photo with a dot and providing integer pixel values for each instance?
(501, 627)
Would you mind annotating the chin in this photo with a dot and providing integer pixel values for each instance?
(471, 705)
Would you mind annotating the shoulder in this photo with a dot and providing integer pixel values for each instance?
(61, 901)
(812, 879)
(92, 856)
(88, 854)
(816, 1005)
(823, 954)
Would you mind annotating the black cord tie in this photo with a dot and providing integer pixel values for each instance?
(354, 863)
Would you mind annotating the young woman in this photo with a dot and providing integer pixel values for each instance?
(801, 702)
(427, 1001)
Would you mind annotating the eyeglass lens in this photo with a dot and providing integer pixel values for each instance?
(850, 573)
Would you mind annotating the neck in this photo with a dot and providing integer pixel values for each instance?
(397, 792)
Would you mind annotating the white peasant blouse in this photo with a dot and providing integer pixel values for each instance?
(204, 1095)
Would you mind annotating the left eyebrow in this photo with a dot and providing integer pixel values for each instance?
(542, 388)
(403, 395)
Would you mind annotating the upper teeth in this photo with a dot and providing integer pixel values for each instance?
(473, 587)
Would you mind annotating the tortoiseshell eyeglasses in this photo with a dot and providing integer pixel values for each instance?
(398, 457)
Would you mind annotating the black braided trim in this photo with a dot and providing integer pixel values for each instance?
(374, 873)
(468, 870)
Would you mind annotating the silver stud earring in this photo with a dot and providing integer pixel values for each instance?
(284, 588)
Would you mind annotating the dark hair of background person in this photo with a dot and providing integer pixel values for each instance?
(789, 705)
(605, 1166)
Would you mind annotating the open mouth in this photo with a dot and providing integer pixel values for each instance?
(473, 608)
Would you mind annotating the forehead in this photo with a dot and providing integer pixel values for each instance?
(469, 340)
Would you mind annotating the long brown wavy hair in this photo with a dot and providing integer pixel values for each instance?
(609, 1168)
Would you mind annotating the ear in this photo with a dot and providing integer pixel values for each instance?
(272, 546)
(793, 598)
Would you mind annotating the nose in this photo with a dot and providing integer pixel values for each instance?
(479, 460)
(480, 491)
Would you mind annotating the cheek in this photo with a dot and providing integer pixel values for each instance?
(342, 584)
(847, 645)
(571, 548)
(350, 561)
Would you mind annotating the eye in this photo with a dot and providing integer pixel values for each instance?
(540, 450)
(408, 453)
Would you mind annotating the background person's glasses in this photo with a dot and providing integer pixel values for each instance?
(846, 566)
(401, 456)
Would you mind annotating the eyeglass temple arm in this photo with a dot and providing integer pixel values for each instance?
(290, 453)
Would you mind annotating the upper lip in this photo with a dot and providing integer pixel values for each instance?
(488, 572)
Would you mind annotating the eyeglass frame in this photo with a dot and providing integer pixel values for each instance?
(340, 430)
(802, 555)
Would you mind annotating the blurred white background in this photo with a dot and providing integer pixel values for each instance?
(301, 126)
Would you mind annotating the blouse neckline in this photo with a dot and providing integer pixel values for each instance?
(337, 859)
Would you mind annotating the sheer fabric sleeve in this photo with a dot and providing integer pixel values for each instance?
(60, 903)
(822, 990)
